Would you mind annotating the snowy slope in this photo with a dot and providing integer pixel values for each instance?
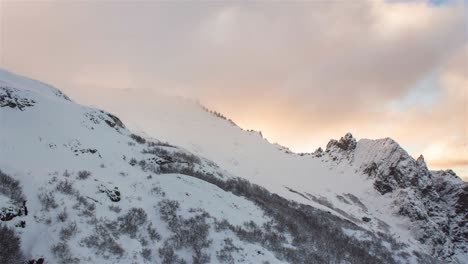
(46, 144)
(175, 204)
(329, 177)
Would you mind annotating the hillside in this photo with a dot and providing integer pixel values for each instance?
(78, 186)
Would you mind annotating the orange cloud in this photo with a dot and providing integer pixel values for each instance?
(301, 72)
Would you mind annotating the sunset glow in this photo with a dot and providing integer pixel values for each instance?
(301, 72)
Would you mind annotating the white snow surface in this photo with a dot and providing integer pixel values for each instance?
(248, 155)
(39, 144)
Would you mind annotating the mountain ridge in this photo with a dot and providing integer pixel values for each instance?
(395, 191)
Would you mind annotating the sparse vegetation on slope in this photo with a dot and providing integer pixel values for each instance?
(318, 236)
(11, 188)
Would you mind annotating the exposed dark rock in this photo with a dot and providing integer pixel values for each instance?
(83, 151)
(61, 95)
(318, 153)
(164, 160)
(366, 219)
(21, 224)
(9, 98)
(382, 187)
(114, 121)
(436, 202)
(7, 214)
(38, 261)
(346, 143)
(371, 170)
(114, 195)
(421, 162)
(462, 201)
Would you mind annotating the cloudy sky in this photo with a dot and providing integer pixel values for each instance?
(301, 72)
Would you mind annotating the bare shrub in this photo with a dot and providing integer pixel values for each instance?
(138, 139)
(47, 201)
(223, 225)
(168, 255)
(81, 201)
(10, 246)
(84, 174)
(133, 162)
(146, 254)
(85, 205)
(115, 208)
(219, 115)
(65, 187)
(142, 164)
(158, 191)
(62, 216)
(190, 171)
(192, 232)
(103, 242)
(69, 231)
(89, 210)
(200, 257)
(66, 174)
(143, 241)
(11, 188)
(168, 210)
(149, 166)
(317, 235)
(63, 253)
(156, 151)
(160, 144)
(153, 233)
(186, 157)
(225, 254)
(131, 221)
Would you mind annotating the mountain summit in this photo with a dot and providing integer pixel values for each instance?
(77, 185)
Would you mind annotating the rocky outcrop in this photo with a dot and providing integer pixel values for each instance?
(436, 202)
(7, 214)
(453, 192)
(318, 153)
(346, 143)
(8, 98)
(36, 261)
(342, 149)
(114, 194)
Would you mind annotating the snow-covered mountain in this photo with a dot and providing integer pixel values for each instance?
(77, 186)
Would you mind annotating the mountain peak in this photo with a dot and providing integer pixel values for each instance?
(346, 143)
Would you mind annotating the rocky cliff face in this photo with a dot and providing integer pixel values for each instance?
(435, 201)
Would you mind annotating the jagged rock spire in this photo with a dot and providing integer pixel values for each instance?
(346, 143)
(420, 161)
(318, 153)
